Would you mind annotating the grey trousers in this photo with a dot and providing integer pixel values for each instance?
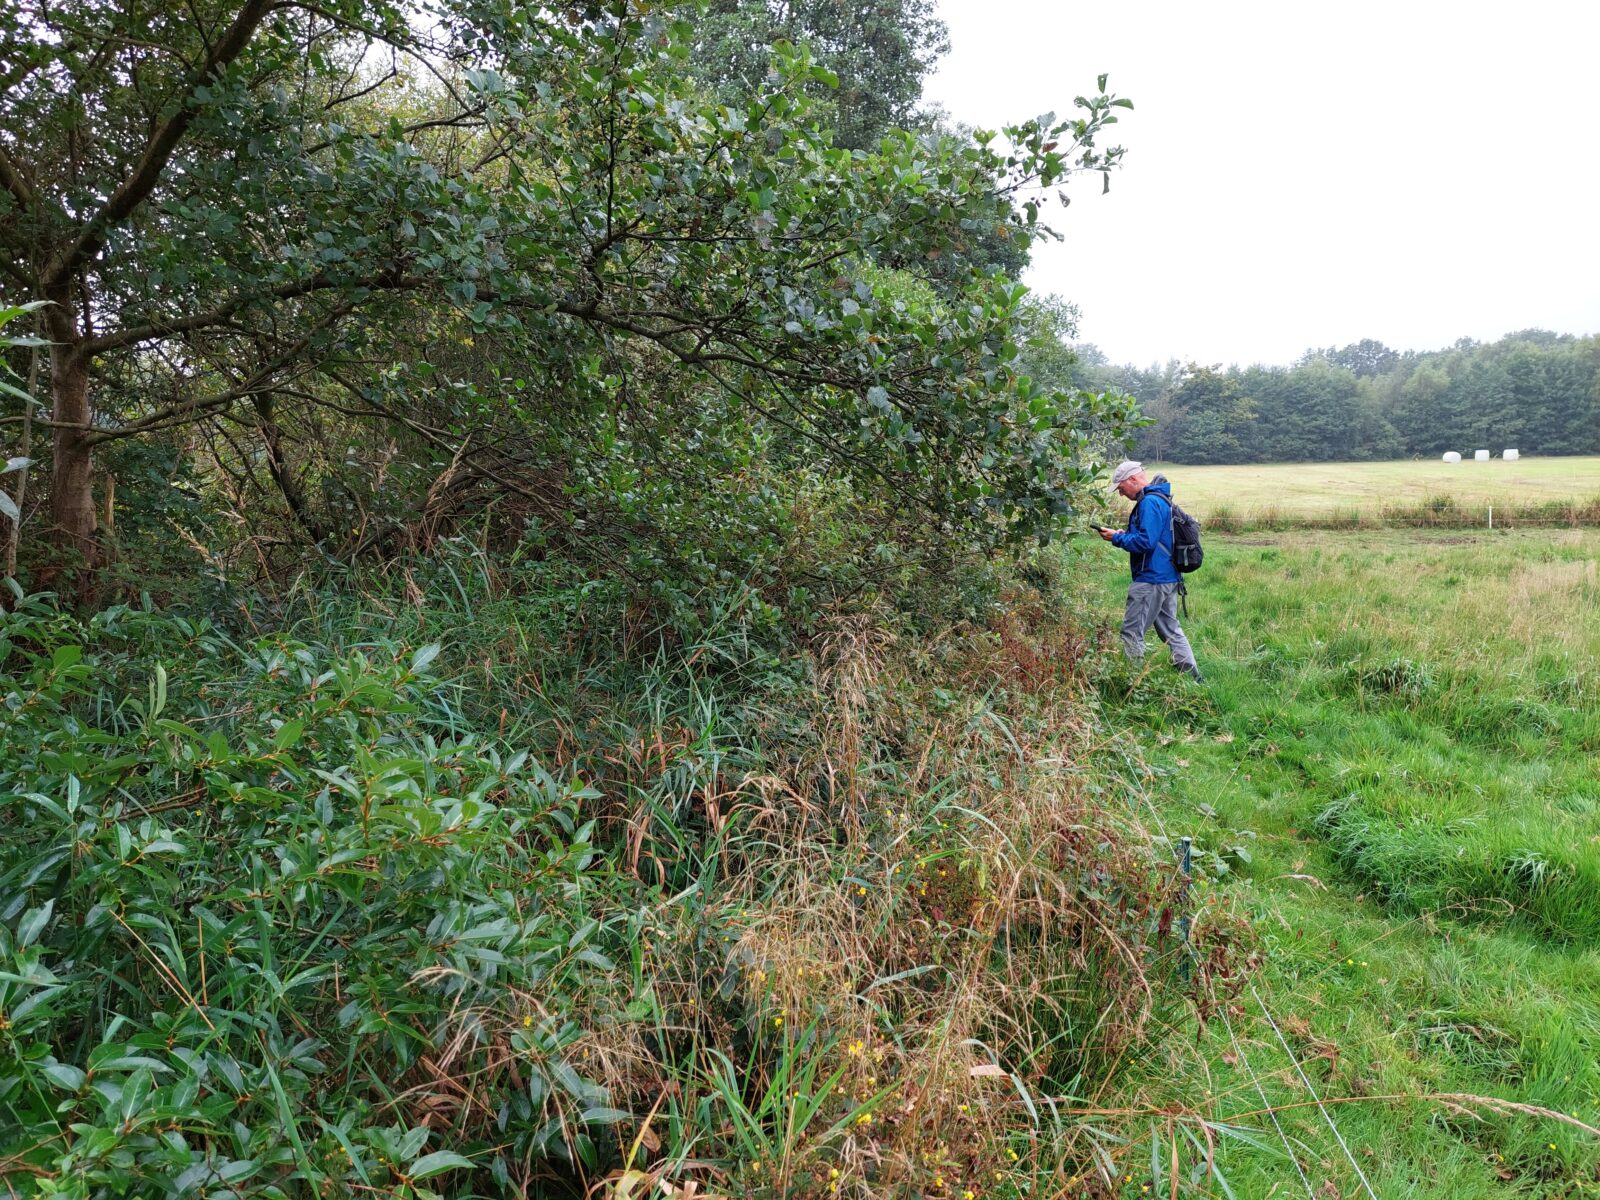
(1155, 604)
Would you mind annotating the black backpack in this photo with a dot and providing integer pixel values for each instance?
(1187, 554)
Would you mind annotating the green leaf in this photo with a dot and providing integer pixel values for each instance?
(63, 1075)
(33, 923)
(134, 1091)
(600, 1115)
(8, 507)
(438, 1163)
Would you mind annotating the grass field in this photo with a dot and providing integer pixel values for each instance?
(1290, 491)
(1396, 761)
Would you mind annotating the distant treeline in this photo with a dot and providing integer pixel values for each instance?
(1536, 391)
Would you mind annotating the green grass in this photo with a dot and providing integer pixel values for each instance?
(1363, 491)
(1401, 733)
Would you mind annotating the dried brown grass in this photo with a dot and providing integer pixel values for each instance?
(928, 901)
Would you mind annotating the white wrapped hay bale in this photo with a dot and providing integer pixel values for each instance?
(1512, 456)
(1480, 456)
(1452, 456)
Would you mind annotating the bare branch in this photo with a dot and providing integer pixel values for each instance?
(155, 330)
(185, 411)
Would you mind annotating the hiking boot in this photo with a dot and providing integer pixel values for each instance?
(1192, 672)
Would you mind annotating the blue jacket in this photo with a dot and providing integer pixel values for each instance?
(1148, 539)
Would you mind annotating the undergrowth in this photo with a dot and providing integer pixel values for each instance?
(470, 881)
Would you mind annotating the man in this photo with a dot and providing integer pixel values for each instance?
(1153, 595)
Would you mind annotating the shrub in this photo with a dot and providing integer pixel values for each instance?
(263, 928)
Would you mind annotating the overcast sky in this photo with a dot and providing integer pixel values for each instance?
(1308, 174)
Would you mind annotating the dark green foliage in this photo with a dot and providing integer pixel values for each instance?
(259, 897)
(1214, 417)
(1536, 391)
(289, 914)
(557, 279)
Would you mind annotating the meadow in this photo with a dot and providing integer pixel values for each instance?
(1396, 764)
(1420, 491)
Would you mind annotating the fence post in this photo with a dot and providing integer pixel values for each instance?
(1185, 845)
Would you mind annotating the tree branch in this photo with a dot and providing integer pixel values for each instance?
(158, 151)
(12, 179)
(186, 410)
(155, 330)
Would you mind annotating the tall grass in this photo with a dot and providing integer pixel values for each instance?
(1442, 511)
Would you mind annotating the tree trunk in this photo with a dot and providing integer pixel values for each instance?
(75, 526)
(282, 473)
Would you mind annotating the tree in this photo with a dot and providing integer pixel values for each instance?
(878, 51)
(1216, 418)
(1364, 359)
(232, 214)
(1304, 414)
(1422, 414)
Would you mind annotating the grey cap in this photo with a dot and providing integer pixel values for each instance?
(1124, 470)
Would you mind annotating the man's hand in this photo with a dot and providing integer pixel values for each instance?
(1104, 532)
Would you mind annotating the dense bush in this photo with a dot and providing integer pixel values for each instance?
(258, 910)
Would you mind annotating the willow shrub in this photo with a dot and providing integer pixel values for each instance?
(308, 905)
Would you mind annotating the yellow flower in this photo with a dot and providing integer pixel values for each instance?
(527, 1022)
(855, 1046)
(1012, 1153)
(777, 1022)
(864, 1119)
(834, 1173)
(861, 891)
